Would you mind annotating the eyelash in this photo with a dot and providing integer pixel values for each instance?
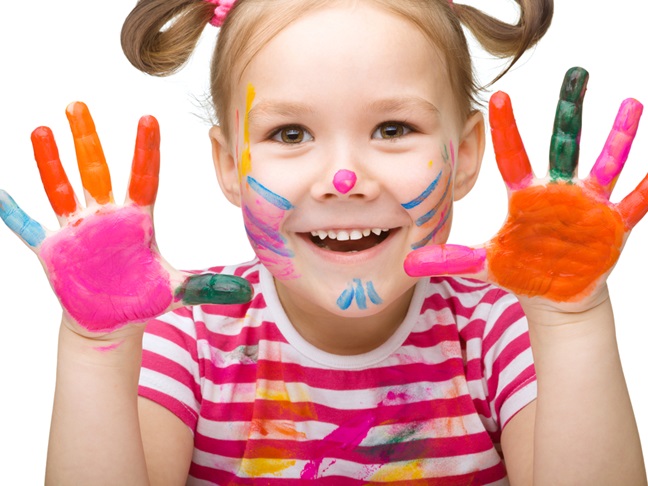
(274, 136)
(406, 128)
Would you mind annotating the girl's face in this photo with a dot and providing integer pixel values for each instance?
(348, 144)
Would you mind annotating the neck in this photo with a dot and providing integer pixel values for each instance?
(344, 335)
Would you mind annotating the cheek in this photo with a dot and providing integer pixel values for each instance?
(429, 199)
(263, 213)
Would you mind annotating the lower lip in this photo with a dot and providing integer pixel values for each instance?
(349, 257)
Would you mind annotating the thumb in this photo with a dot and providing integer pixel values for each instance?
(213, 288)
(445, 260)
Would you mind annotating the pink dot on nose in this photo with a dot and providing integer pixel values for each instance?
(344, 180)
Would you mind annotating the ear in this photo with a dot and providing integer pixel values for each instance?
(225, 165)
(469, 154)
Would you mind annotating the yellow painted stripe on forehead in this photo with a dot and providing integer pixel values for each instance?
(245, 164)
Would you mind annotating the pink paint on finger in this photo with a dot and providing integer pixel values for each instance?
(105, 272)
(445, 260)
(617, 146)
(344, 180)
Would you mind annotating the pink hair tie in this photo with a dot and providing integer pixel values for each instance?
(220, 12)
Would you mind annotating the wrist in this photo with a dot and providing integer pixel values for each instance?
(123, 347)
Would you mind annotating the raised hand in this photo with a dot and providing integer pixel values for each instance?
(562, 236)
(103, 264)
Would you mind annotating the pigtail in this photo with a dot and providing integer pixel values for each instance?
(159, 36)
(507, 40)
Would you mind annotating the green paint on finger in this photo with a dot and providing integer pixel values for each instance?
(565, 141)
(214, 289)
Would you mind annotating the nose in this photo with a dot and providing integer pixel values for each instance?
(346, 180)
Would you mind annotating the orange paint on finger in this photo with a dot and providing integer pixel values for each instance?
(146, 163)
(556, 243)
(635, 205)
(55, 181)
(93, 169)
(510, 154)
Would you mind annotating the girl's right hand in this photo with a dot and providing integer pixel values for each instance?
(103, 263)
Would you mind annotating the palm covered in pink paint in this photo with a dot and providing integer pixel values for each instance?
(103, 263)
(562, 237)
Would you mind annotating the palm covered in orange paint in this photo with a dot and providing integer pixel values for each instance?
(562, 235)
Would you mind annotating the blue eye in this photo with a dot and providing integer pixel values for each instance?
(292, 135)
(389, 130)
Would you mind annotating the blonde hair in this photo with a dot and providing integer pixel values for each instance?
(159, 36)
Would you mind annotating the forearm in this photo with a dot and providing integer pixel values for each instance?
(585, 430)
(95, 434)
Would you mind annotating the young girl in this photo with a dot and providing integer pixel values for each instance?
(346, 130)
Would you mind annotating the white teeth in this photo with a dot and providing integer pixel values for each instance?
(345, 235)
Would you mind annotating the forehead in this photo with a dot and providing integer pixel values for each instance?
(346, 48)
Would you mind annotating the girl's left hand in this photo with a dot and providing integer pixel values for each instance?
(562, 236)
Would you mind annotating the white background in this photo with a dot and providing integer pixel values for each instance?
(53, 53)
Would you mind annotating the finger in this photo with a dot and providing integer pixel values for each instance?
(565, 141)
(93, 169)
(635, 205)
(510, 154)
(30, 231)
(445, 260)
(55, 181)
(214, 289)
(146, 163)
(615, 152)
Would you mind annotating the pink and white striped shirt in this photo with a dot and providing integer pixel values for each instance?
(268, 408)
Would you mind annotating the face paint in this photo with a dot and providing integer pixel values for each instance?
(359, 292)
(442, 208)
(263, 212)
(95, 287)
(245, 163)
(425, 194)
(344, 180)
(274, 199)
(555, 226)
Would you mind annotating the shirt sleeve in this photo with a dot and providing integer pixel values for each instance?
(499, 360)
(170, 372)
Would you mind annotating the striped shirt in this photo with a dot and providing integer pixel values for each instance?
(268, 408)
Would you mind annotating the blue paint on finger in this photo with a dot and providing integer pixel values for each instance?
(19, 222)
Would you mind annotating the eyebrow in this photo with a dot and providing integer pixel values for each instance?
(403, 103)
(265, 109)
(290, 109)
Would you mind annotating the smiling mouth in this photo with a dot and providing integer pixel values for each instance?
(349, 241)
